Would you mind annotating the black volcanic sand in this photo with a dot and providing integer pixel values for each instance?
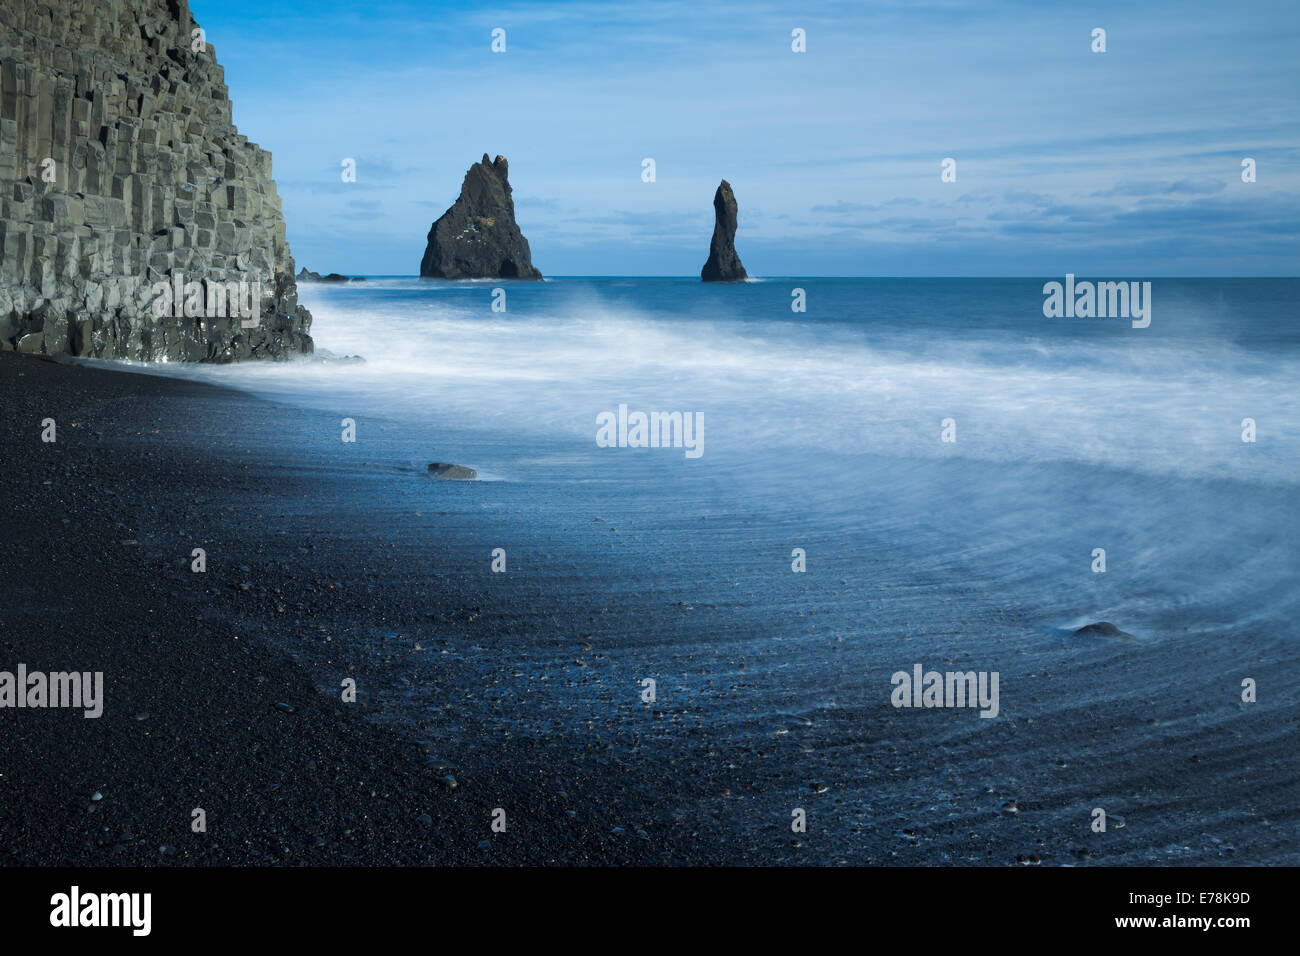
(521, 691)
(192, 715)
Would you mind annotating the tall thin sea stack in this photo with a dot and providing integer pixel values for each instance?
(723, 265)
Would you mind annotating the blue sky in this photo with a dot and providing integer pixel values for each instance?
(1123, 163)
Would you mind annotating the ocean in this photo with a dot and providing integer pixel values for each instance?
(1069, 434)
(909, 472)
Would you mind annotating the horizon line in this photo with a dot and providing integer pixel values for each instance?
(378, 275)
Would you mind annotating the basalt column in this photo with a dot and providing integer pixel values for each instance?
(121, 172)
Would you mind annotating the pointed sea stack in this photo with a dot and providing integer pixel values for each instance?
(477, 238)
(723, 265)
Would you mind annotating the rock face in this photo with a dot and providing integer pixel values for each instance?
(723, 265)
(131, 209)
(477, 238)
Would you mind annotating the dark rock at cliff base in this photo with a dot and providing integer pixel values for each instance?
(446, 472)
(1101, 629)
(477, 238)
(723, 265)
(325, 356)
(306, 276)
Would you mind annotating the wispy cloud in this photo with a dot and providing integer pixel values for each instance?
(1135, 152)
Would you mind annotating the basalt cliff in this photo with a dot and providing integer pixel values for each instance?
(131, 209)
(477, 238)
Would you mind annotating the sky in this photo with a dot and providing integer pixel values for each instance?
(1126, 163)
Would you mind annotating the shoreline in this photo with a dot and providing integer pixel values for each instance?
(147, 465)
(327, 561)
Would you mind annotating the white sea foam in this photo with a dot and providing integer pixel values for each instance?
(1064, 443)
(1158, 408)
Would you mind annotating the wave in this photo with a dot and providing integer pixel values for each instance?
(829, 428)
(1164, 408)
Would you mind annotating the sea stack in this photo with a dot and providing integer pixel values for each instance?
(477, 238)
(131, 208)
(723, 265)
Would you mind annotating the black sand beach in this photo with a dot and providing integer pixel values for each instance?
(481, 691)
(214, 689)
(191, 717)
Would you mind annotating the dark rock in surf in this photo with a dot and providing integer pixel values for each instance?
(305, 275)
(477, 238)
(325, 356)
(446, 472)
(1101, 629)
(724, 265)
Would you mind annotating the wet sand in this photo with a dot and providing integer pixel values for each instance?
(525, 688)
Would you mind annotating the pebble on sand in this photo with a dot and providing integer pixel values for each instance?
(1101, 629)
